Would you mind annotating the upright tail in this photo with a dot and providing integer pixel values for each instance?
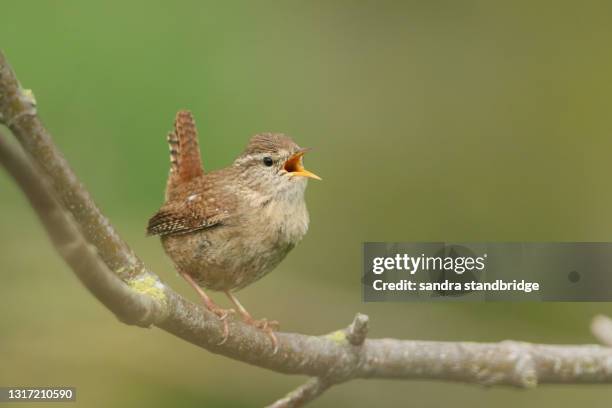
(185, 161)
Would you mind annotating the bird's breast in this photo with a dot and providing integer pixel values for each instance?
(285, 222)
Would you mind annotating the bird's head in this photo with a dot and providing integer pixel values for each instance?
(273, 164)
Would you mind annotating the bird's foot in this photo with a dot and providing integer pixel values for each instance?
(265, 325)
(222, 314)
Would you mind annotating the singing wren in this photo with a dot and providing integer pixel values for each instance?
(227, 228)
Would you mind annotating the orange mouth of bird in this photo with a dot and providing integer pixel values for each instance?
(294, 166)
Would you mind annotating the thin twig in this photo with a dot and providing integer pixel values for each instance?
(358, 330)
(355, 334)
(303, 394)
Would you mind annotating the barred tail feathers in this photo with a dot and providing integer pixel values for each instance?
(185, 161)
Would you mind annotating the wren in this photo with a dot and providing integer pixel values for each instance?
(227, 228)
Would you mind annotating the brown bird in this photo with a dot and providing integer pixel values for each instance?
(227, 228)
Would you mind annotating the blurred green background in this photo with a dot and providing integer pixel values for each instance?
(431, 120)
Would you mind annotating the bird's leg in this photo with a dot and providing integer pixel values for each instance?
(268, 326)
(212, 306)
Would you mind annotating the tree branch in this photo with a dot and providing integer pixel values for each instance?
(114, 274)
(18, 108)
(129, 306)
(303, 394)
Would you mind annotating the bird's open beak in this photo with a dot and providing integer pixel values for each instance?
(294, 165)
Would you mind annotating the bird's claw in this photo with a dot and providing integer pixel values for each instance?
(222, 315)
(267, 326)
(270, 332)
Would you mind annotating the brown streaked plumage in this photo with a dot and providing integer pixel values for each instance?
(227, 228)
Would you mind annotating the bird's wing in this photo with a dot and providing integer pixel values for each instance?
(200, 206)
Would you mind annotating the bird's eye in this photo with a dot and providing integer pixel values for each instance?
(268, 161)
